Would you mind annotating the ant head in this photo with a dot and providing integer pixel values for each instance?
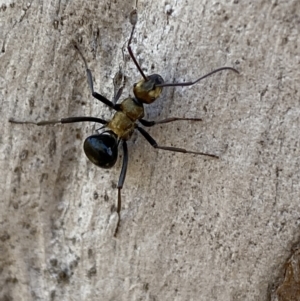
(146, 91)
(102, 149)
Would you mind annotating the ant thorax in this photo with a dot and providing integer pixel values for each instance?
(123, 121)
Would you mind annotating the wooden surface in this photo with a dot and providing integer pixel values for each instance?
(191, 228)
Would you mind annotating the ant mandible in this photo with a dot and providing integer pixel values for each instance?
(102, 148)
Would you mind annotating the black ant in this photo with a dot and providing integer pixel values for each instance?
(102, 148)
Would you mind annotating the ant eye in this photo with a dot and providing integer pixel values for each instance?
(102, 150)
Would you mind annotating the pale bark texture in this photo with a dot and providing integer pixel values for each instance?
(192, 228)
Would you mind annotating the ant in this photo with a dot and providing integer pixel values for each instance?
(102, 148)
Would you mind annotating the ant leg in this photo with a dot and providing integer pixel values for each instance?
(133, 20)
(121, 181)
(149, 123)
(197, 80)
(90, 82)
(62, 120)
(170, 148)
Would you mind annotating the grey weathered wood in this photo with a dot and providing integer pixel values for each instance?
(191, 228)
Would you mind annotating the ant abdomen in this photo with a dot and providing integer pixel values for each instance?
(102, 149)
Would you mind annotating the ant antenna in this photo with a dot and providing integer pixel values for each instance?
(133, 20)
(197, 80)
